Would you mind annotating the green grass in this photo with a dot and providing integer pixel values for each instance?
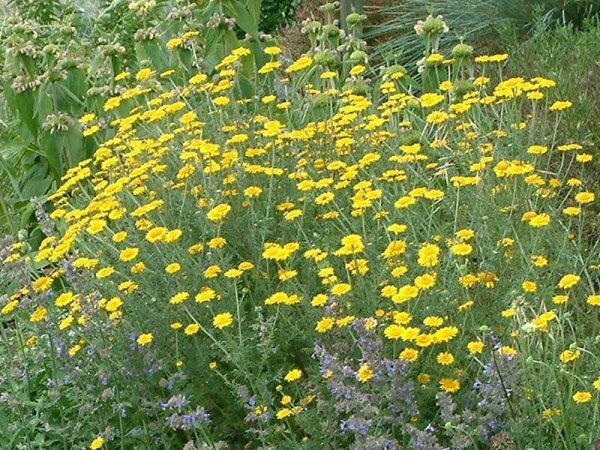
(481, 21)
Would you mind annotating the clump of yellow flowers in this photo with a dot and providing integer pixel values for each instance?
(223, 236)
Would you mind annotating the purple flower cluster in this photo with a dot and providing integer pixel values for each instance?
(366, 412)
(181, 419)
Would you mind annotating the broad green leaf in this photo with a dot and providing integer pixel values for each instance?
(246, 87)
(36, 182)
(51, 147)
(10, 96)
(12, 173)
(260, 58)
(242, 17)
(77, 83)
(25, 106)
(74, 145)
(75, 104)
(43, 103)
(254, 6)
(230, 40)
(212, 38)
(156, 54)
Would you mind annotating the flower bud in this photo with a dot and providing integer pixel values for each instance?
(358, 56)
(328, 7)
(331, 31)
(354, 19)
(462, 51)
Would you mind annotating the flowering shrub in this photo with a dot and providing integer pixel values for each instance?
(338, 265)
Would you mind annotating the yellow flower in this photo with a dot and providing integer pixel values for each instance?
(120, 236)
(128, 254)
(593, 300)
(283, 413)
(426, 281)
(569, 356)
(568, 281)
(174, 43)
(179, 298)
(449, 385)
(394, 249)
(325, 324)
(475, 347)
(97, 443)
(529, 286)
(9, 307)
(217, 242)
(42, 284)
(431, 99)
(537, 149)
(560, 299)
(113, 304)
(429, 255)
(300, 64)
(219, 212)
(351, 244)
(173, 268)
(585, 197)
(191, 329)
(285, 275)
(252, 191)
(571, 211)
(550, 412)
(445, 358)
(365, 373)
(156, 234)
(293, 375)
(272, 51)
(405, 293)
(39, 314)
(341, 289)
(582, 397)
(437, 117)
(423, 378)
(409, 355)
(461, 249)
(144, 339)
(508, 351)
(405, 202)
(64, 299)
(539, 220)
(223, 320)
(560, 105)
(205, 295)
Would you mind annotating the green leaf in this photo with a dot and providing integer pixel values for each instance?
(35, 182)
(11, 171)
(52, 146)
(25, 106)
(246, 87)
(25, 214)
(242, 17)
(230, 40)
(77, 83)
(10, 96)
(212, 38)
(43, 103)
(254, 6)
(74, 146)
(156, 54)
(76, 104)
